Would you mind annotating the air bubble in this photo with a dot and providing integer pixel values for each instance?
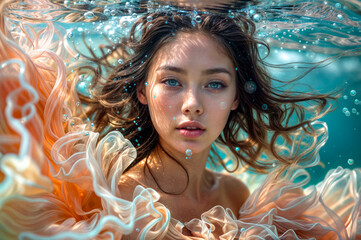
(198, 19)
(344, 110)
(113, 12)
(350, 161)
(189, 152)
(149, 18)
(89, 15)
(139, 129)
(77, 56)
(237, 149)
(250, 87)
(353, 93)
(106, 12)
(345, 97)
(70, 34)
(120, 61)
(339, 16)
(357, 102)
(174, 118)
(264, 107)
(251, 12)
(354, 110)
(257, 17)
(347, 113)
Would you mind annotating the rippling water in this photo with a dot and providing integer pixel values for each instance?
(297, 31)
(327, 26)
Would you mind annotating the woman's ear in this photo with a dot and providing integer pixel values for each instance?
(141, 95)
(234, 104)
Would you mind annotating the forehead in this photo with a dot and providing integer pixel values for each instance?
(193, 49)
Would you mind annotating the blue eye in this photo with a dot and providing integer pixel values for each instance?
(216, 85)
(171, 82)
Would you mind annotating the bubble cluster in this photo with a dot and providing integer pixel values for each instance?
(65, 118)
(346, 111)
(356, 101)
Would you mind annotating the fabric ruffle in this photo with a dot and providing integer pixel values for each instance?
(89, 205)
(284, 210)
(65, 186)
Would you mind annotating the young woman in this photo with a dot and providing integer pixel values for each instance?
(149, 165)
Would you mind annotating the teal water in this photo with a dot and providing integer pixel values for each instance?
(297, 31)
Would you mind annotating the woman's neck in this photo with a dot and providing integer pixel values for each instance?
(176, 173)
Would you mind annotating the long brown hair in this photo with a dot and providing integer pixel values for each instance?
(265, 114)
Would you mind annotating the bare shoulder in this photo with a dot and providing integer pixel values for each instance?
(127, 184)
(236, 191)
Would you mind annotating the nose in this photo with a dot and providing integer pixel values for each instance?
(192, 103)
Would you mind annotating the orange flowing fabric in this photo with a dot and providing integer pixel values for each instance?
(52, 185)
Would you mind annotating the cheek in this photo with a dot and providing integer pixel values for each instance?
(161, 107)
(220, 110)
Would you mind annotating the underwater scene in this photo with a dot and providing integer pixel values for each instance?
(315, 43)
(299, 33)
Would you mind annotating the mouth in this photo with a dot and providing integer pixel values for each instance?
(191, 129)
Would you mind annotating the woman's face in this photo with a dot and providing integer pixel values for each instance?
(190, 91)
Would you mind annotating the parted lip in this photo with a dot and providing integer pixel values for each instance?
(190, 124)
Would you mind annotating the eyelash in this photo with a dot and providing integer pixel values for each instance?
(167, 80)
(221, 84)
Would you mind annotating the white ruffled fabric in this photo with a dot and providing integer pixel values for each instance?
(57, 186)
(89, 205)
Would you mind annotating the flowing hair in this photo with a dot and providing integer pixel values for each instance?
(265, 116)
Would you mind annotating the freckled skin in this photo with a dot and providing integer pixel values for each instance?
(190, 79)
(193, 100)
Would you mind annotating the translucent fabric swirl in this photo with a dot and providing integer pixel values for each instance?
(57, 185)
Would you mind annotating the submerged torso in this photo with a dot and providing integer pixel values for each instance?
(224, 190)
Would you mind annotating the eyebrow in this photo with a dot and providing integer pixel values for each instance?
(205, 72)
(216, 70)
